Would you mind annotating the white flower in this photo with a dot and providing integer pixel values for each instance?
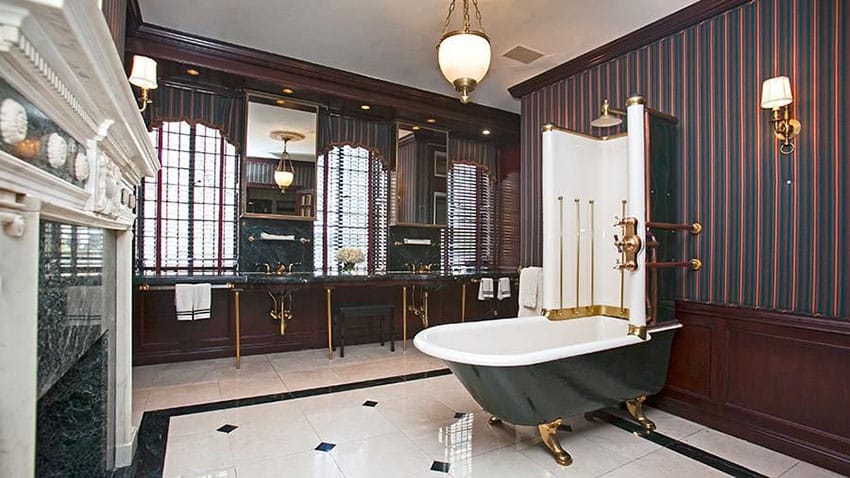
(351, 255)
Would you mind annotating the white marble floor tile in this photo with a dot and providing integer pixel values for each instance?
(312, 464)
(193, 455)
(332, 401)
(257, 440)
(754, 457)
(502, 463)
(589, 458)
(416, 415)
(196, 423)
(613, 438)
(389, 455)
(806, 470)
(251, 386)
(665, 464)
(181, 395)
(143, 376)
(307, 379)
(348, 424)
(671, 425)
(463, 438)
(184, 375)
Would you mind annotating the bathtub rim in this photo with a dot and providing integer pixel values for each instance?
(421, 342)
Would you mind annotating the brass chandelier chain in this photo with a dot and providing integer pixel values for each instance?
(466, 21)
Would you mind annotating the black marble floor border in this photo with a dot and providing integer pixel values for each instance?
(692, 452)
(152, 439)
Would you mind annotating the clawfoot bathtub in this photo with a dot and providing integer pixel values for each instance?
(534, 371)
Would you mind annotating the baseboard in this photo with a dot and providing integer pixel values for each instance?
(125, 452)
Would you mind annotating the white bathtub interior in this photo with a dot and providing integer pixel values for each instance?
(523, 340)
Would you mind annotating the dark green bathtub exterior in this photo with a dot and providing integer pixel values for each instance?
(540, 393)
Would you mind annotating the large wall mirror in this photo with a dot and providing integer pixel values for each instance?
(279, 168)
(419, 179)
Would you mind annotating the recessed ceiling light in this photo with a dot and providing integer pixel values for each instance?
(280, 102)
(415, 128)
(288, 91)
(430, 120)
(193, 72)
(485, 132)
(365, 107)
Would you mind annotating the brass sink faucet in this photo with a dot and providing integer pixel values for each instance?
(266, 266)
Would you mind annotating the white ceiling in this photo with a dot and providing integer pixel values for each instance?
(395, 40)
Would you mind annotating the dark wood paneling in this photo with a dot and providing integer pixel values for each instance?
(158, 337)
(115, 12)
(779, 380)
(675, 22)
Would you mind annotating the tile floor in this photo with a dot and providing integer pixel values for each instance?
(430, 427)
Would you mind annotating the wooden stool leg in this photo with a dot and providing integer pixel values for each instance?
(381, 328)
(342, 335)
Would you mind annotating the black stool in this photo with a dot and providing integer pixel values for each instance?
(365, 311)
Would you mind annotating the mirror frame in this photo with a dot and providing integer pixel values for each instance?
(408, 125)
(243, 167)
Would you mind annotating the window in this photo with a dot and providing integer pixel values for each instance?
(351, 205)
(187, 222)
(470, 238)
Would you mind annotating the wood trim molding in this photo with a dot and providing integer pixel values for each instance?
(767, 377)
(168, 44)
(675, 22)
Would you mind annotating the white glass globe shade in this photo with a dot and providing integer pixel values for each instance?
(283, 178)
(464, 55)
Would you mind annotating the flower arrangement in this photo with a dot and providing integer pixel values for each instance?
(349, 256)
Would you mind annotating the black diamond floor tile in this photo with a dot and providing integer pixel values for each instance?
(460, 415)
(226, 428)
(369, 403)
(325, 446)
(440, 466)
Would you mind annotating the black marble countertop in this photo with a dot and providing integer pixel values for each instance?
(308, 278)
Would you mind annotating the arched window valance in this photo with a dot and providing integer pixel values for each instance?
(376, 136)
(222, 111)
(462, 150)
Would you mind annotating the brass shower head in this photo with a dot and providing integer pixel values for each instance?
(608, 118)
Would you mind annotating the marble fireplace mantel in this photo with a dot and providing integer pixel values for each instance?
(73, 149)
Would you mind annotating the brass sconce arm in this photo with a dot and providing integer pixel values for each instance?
(785, 128)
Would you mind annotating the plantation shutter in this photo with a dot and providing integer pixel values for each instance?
(470, 235)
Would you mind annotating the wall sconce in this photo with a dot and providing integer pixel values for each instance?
(143, 75)
(776, 95)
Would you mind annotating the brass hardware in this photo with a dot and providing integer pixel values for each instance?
(635, 409)
(144, 287)
(693, 264)
(578, 251)
(785, 128)
(561, 253)
(623, 203)
(419, 310)
(238, 320)
(463, 303)
(592, 253)
(694, 228)
(629, 245)
(586, 311)
(304, 240)
(266, 266)
(251, 238)
(549, 435)
(494, 420)
(330, 324)
(635, 100)
(638, 331)
(404, 317)
(283, 310)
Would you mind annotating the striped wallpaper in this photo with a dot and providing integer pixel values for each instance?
(776, 227)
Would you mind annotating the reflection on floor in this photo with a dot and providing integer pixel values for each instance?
(415, 428)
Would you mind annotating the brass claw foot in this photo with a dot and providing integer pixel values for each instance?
(549, 434)
(635, 409)
(493, 420)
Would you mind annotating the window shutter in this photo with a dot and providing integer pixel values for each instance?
(470, 218)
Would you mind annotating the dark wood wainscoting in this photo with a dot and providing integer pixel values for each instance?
(779, 380)
(158, 337)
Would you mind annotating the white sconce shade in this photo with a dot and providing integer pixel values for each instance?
(143, 73)
(283, 179)
(776, 92)
(464, 56)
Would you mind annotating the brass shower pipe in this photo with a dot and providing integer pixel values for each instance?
(419, 305)
(694, 228)
(282, 310)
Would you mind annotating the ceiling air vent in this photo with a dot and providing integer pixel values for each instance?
(522, 54)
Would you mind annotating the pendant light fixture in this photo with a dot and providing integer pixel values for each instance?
(464, 55)
(283, 177)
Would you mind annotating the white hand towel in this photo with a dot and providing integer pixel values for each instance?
(529, 283)
(416, 242)
(485, 289)
(184, 299)
(201, 301)
(276, 237)
(504, 288)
